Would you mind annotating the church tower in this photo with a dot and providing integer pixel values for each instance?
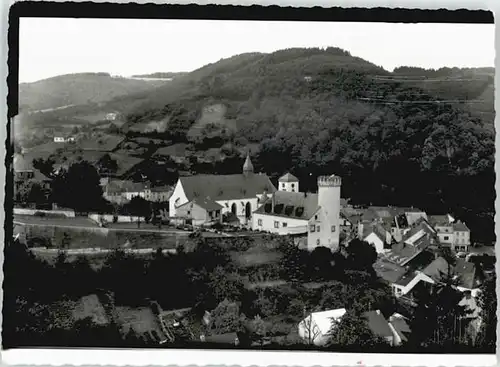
(329, 214)
(289, 183)
(248, 166)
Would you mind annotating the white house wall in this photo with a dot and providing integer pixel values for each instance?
(268, 223)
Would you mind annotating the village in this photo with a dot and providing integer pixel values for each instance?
(413, 249)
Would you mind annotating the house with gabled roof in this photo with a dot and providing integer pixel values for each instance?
(240, 194)
(315, 215)
(452, 233)
(465, 276)
(378, 236)
(199, 211)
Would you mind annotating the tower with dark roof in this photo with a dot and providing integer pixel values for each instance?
(248, 166)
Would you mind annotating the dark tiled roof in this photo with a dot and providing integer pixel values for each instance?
(466, 272)
(376, 228)
(378, 324)
(161, 189)
(205, 203)
(226, 187)
(401, 253)
(125, 186)
(420, 260)
(421, 225)
(438, 220)
(388, 271)
(291, 204)
(288, 178)
(463, 272)
(437, 268)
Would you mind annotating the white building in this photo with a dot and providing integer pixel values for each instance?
(316, 328)
(288, 182)
(314, 215)
(239, 194)
(62, 139)
(454, 234)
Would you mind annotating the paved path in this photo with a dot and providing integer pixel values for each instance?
(67, 223)
(96, 251)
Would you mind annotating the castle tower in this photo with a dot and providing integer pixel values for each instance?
(329, 214)
(248, 166)
(289, 183)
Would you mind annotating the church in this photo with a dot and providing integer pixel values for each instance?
(240, 194)
(313, 215)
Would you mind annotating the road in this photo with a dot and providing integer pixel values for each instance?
(84, 223)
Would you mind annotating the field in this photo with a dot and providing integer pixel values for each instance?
(176, 150)
(213, 114)
(255, 256)
(100, 142)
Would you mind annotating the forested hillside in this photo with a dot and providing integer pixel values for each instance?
(77, 89)
(312, 111)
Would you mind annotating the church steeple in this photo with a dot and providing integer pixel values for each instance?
(247, 166)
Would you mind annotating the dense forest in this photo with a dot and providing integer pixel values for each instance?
(313, 111)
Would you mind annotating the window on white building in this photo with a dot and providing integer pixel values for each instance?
(276, 224)
(259, 222)
(317, 242)
(333, 229)
(284, 224)
(293, 185)
(312, 228)
(446, 238)
(315, 217)
(318, 228)
(189, 212)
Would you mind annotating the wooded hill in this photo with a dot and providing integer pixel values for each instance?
(312, 111)
(411, 137)
(78, 89)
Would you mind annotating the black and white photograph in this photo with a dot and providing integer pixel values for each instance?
(323, 186)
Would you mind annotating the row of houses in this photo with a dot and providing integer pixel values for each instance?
(386, 226)
(122, 191)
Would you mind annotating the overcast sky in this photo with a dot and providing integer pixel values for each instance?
(55, 46)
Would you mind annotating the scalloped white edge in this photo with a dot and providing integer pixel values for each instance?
(54, 357)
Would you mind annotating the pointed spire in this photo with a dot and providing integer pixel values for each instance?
(248, 166)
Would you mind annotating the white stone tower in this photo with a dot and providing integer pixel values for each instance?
(329, 215)
(288, 182)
